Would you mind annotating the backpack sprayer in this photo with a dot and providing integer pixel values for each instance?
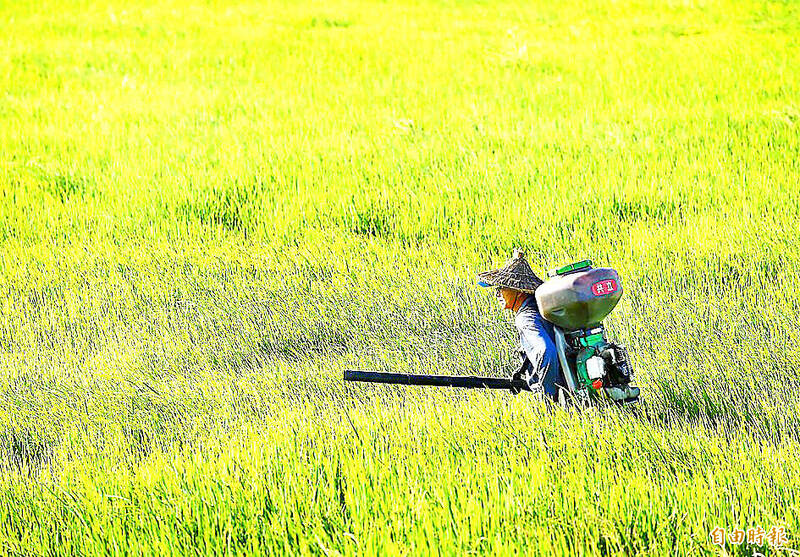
(575, 299)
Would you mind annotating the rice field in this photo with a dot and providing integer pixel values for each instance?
(209, 210)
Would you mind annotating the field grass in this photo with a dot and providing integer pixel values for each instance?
(209, 210)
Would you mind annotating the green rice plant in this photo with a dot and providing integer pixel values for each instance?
(207, 212)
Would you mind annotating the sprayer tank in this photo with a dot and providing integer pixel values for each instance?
(579, 298)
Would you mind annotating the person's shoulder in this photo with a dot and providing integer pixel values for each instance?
(530, 302)
(526, 314)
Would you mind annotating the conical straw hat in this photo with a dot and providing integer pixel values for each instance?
(516, 274)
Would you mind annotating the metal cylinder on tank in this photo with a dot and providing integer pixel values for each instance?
(579, 299)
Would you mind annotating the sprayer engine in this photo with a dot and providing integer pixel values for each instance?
(600, 366)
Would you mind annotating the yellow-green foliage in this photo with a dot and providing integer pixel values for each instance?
(209, 210)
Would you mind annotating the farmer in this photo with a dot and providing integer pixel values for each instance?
(515, 285)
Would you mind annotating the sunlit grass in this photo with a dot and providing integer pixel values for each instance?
(207, 212)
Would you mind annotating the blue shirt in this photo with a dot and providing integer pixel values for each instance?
(536, 343)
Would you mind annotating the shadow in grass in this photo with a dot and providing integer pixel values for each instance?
(636, 210)
(302, 349)
(232, 205)
(224, 209)
(25, 451)
(330, 22)
(66, 185)
(700, 408)
(139, 441)
(372, 221)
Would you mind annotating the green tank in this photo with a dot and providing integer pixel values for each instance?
(578, 296)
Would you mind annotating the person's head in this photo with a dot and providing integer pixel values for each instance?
(513, 282)
(508, 298)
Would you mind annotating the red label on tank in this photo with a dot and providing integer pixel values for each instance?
(604, 287)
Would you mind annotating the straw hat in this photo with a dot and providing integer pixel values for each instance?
(516, 274)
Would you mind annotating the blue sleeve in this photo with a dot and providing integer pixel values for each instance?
(537, 342)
